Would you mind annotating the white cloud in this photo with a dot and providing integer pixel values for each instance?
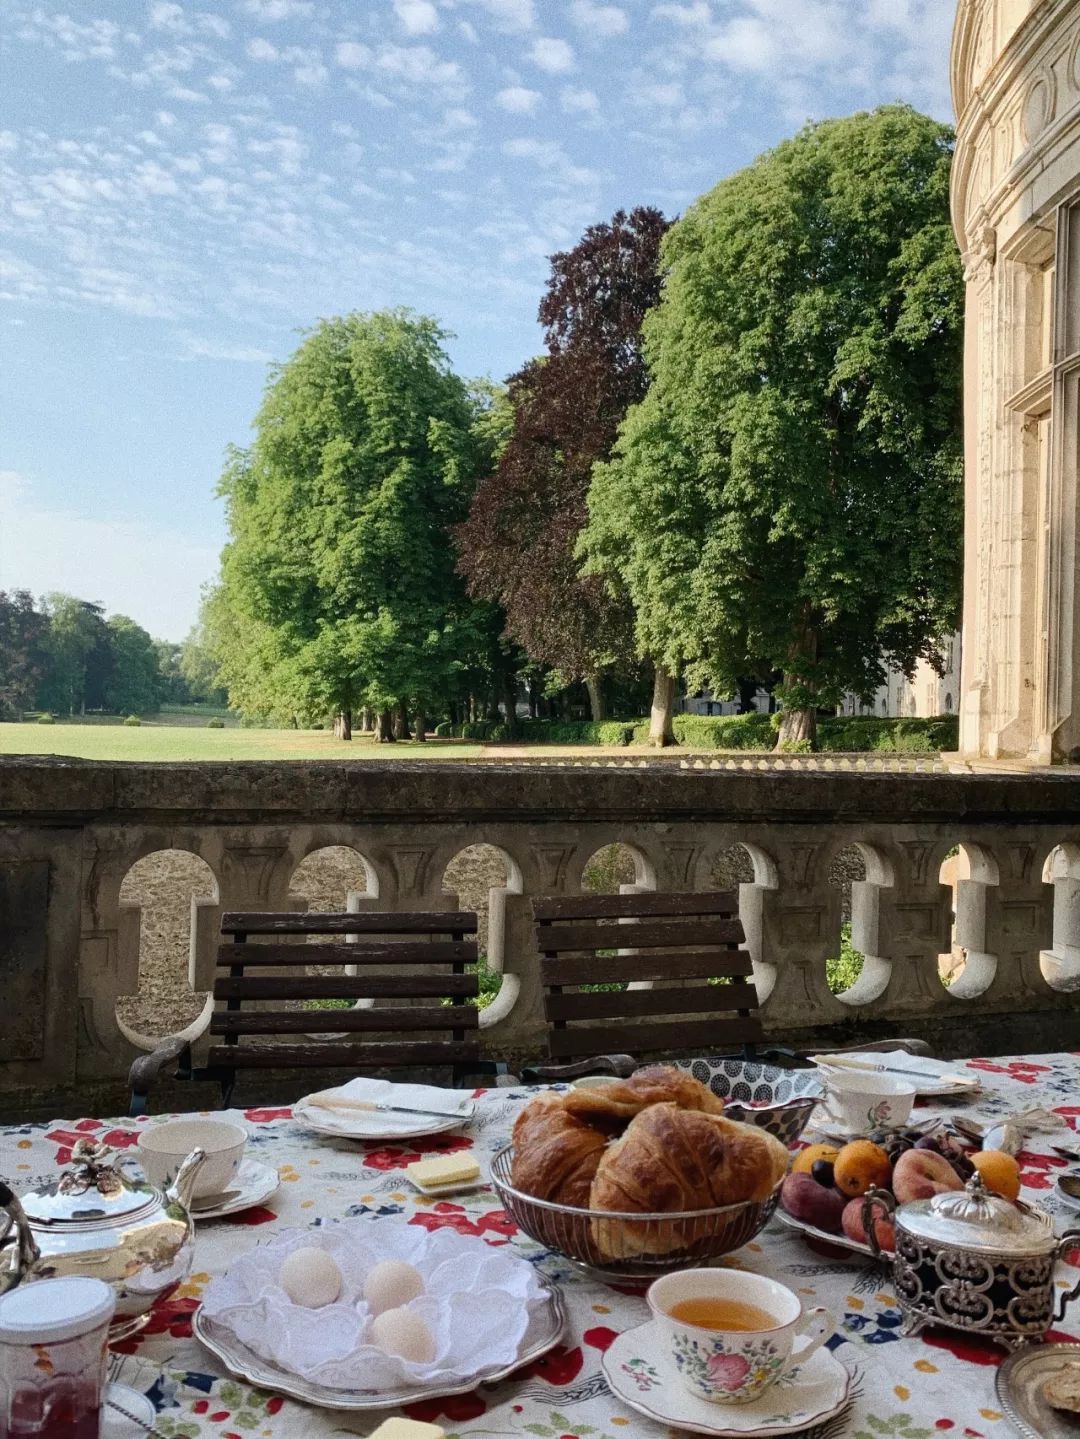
(554, 56)
(549, 157)
(141, 568)
(165, 15)
(264, 50)
(352, 56)
(417, 65)
(604, 21)
(660, 95)
(457, 118)
(196, 347)
(578, 101)
(516, 100)
(510, 14)
(419, 17)
(274, 10)
(695, 14)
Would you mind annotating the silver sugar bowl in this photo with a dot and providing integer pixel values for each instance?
(973, 1261)
(99, 1220)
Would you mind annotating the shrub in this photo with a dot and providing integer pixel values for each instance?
(795, 746)
(133, 720)
(444, 730)
(318, 726)
(498, 732)
(46, 718)
(216, 723)
(748, 731)
(860, 734)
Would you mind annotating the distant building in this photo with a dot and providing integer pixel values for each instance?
(705, 703)
(926, 695)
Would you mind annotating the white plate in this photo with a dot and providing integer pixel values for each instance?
(641, 1372)
(1068, 1200)
(387, 1124)
(836, 1241)
(135, 1423)
(1020, 1382)
(438, 1191)
(545, 1330)
(256, 1181)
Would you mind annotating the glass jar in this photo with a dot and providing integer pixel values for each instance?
(53, 1348)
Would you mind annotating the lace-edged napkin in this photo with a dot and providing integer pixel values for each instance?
(477, 1305)
(426, 1098)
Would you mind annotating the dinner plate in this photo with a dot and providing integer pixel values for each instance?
(386, 1124)
(639, 1369)
(835, 1241)
(545, 1329)
(255, 1181)
(1019, 1383)
(127, 1413)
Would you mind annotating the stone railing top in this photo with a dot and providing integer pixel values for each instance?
(49, 790)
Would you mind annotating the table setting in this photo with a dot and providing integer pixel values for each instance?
(619, 1257)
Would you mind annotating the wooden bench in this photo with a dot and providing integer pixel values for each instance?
(440, 1019)
(689, 938)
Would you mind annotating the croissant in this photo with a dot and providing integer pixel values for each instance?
(657, 1084)
(555, 1153)
(673, 1159)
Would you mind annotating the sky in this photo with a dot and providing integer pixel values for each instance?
(184, 188)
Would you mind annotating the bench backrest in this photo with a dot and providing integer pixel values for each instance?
(672, 937)
(440, 1017)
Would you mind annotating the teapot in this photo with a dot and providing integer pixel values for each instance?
(99, 1220)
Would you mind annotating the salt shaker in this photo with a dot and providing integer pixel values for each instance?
(53, 1348)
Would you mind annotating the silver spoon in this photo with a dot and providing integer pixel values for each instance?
(1070, 1184)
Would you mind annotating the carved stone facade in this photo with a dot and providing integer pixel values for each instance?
(1016, 210)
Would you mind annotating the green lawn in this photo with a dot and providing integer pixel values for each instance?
(187, 742)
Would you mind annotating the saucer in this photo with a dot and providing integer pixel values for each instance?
(137, 1420)
(256, 1181)
(641, 1372)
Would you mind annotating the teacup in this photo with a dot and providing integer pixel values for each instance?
(858, 1102)
(732, 1334)
(596, 1081)
(164, 1147)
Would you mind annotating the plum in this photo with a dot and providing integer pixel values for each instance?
(822, 1171)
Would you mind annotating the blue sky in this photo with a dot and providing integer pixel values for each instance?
(183, 187)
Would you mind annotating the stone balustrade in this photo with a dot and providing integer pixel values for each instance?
(70, 831)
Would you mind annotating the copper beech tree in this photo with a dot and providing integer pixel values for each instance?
(517, 546)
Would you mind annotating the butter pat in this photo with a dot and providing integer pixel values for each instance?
(446, 1169)
(407, 1429)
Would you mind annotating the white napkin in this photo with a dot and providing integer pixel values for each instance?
(451, 1102)
(893, 1060)
(477, 1305)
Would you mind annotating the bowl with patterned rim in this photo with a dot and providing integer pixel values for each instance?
(780, 1100)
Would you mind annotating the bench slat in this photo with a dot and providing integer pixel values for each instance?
(555, 939)
(699, 1037)
(369, 922)
(338, 1021)
(347, 986)
(593, 969)
(698, 999)
(601, 906)
(282, 955)
(342, 1055)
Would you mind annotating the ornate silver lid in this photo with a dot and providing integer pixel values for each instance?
(973, 1218)
(93, 1191)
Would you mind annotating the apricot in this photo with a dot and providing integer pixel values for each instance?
(805, 1199)
(861, 1165)
(920, 1173)
(806, 1158)
(999, 1172)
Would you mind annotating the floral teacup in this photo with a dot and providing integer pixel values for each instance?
(858, 1102)
(735, 1365)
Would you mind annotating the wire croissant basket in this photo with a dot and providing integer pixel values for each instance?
(617, 1245)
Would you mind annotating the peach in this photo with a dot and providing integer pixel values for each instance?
(807, 1200)
(852, 1221)
(920, 1174)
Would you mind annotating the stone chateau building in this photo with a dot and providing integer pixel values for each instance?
(1016, 210)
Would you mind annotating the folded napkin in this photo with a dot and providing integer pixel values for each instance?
(893, 1060)
(478, 1302)
(453, 1103)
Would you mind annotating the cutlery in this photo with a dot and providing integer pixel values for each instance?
(372, 1106)
(839, 1062)
(1065, 1153)
(213, 1201)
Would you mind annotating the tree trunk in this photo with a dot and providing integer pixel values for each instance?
(343, 724)
(401, 722)
(661, 731)
(797, 725)
(595, 687)
(367, 719)
(419, 728)
(384, 729)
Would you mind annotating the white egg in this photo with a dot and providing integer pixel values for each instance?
(310, 1277)
(391, 1284)
(401, 1332)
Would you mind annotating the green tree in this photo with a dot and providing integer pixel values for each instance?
(134, 684)
(788, 494)
(198, 668)
(23, 644)
(338, 586)
(78, 656)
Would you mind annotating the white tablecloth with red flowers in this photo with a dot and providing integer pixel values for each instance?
(911, 1388)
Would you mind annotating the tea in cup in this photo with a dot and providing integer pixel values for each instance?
(856, 1103)
(733, 1334)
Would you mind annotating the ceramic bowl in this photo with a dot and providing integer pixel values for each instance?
(162, 1148)
(780, 1100)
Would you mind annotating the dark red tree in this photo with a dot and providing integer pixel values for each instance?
(517, 546)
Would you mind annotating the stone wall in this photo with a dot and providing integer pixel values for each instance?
(71, 831)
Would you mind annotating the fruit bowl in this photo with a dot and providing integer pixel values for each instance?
(615, 1246)
(779, 1100)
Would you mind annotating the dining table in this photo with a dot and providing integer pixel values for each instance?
(939, 1382)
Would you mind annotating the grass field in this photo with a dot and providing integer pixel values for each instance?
(179, 741)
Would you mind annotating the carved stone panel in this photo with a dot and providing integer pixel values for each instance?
(24, 913)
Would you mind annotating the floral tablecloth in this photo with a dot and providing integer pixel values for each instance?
(910, 1388)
